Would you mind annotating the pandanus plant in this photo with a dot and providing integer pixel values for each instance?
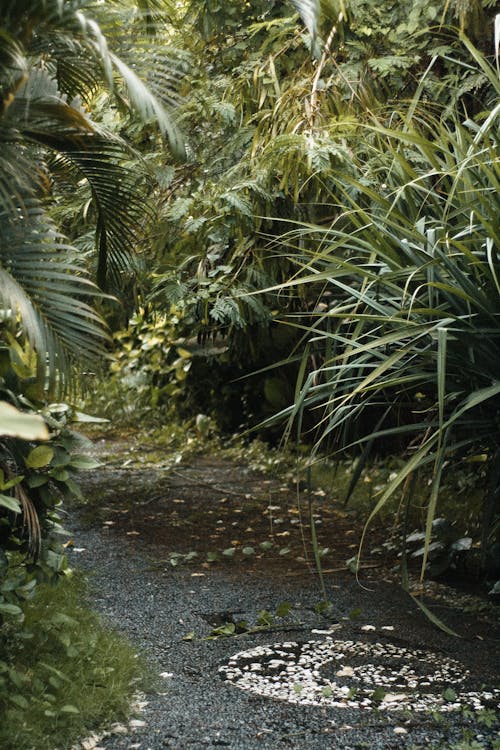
(406, 334)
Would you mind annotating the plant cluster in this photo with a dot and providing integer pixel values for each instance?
(406, 343)
(337, 230)
(55, 62)
(63, 674)
(289, 104)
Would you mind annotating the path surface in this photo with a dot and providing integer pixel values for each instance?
(300, 687)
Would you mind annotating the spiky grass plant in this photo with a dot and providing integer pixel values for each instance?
(405, 345)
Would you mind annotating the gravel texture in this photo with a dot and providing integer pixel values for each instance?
(196, 707)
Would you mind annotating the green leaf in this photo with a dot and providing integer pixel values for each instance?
(449, 695)
(266, 545)
(74, 489)
(15, 423)
(39, 457)
(59, 474)
(84, 462)
(264, 618)
(10, 609)
(37, 480)
(283, 609)
(12, 482)
(68, 709)
(10, 503)
(19, 700)
(378, 695)
(433, 618)
(229, 628)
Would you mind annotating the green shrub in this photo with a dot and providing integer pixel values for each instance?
(62, 673)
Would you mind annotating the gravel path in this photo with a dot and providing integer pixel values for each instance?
(157, 606)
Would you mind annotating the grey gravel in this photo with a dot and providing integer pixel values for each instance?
(195, 708)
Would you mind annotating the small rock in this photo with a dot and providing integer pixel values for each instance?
(345, 672)
(400, 730)
(118, 729)
(393, 698)
(90, 743)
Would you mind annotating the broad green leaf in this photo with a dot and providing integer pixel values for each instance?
(15, 423)
(10, 503)
(59, 474)
(10, 609)
(84, 462)
(39, 457)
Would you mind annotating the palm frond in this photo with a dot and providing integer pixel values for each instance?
(40, 115)
(309, 11)
(49, 294)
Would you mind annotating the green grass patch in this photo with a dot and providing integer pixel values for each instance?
(62, 673)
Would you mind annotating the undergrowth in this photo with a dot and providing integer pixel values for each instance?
(62, 673)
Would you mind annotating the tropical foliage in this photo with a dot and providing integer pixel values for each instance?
(283, 124)
(338, 228)
(406, 336)
(295, 218)
(54, 63)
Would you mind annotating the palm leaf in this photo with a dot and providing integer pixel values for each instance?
(49, 294)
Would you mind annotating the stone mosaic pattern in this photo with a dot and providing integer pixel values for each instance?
(356, 675)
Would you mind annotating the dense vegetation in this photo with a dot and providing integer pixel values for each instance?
(285, 215)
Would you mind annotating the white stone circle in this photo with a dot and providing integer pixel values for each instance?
(400, 678)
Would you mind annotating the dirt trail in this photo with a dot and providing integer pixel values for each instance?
(370, 671)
